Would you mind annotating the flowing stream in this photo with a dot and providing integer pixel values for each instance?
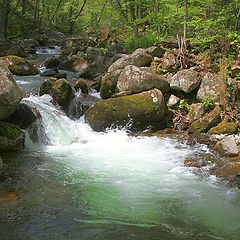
(106, 186)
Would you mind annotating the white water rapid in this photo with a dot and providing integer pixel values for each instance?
(121, 184)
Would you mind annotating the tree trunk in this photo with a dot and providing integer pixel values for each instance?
(5, 9)
(185, 28)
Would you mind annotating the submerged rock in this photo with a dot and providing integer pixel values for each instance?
(185, 80)
(11, 137)
(10, 93)
(146, 109)
(206, 122)
(134, 79)
(19, 66)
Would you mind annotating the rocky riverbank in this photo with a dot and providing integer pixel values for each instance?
(154, 89)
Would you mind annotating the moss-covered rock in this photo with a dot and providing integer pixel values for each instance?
(206, 122)
(142, 110)
(60, 89)
(19, 66)
(11, 137)
(109, 83)
(81, 84)
(10, 93)
(224, 127)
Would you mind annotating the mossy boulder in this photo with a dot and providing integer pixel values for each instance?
(224, 127)
(19, 66)
(10, 93)
(134, 79)
(81, 85)
(11, 137)
(146, 109)
(109, 83)
(208, 121)
(60, 90)
(185, 80)
(140, 58)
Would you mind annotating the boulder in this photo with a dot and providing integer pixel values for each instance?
(227, 147)
(49, 72)
(74, 64)
(134, 79)
(109, 84)
(60, 89)
(140, 58)
(24, 116)
(80, 104)
(10, 93)
(156, 51)
(11, 137)
(185, 80)
(51, 62)
(95, 60)
(19, 66)
(173, 101)
(209, 87)
(196, 111)
(224, 127)
(146, 109)
(166, 64)
(206, 122)
(81, 84)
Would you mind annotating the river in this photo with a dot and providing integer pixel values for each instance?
(79, 184)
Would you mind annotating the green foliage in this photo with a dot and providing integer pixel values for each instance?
(207, 102)
(144, 41)
(183, 105)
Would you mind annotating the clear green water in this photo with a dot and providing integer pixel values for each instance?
(86, 185)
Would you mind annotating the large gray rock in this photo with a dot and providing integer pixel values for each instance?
(109, 83)
(10, 93)
(185, 80)
(135, 80)
(140, 58)
(146, 109)
(209, 87)
(227, 147)
(196, 111)
(11, 137)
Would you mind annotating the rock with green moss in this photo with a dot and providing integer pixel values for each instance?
(134, 79)
(208, 121)
(109, 83)
(60, 89)
(224, 127)
(11, 137)
(210, 87)
(196, 111)
(19, 66)
(146, 109)
(81, 85)
(10, 93)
